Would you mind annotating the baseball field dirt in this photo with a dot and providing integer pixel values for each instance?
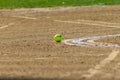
(29, 52)
(115, 40)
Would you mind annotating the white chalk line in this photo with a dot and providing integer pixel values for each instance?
(67, 42)
(88, 23)
(5, 26)
(99, 22)
(103, 63)
(46, 58)
(90, 41)
(25, 59)
(92, 55)
(25, 17)
(29, 59)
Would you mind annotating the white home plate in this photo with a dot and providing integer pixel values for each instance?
(90, 41)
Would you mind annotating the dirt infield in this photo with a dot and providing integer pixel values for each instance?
(115, 40)
(28, 51)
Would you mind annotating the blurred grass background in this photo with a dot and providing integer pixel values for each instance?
(53, 3)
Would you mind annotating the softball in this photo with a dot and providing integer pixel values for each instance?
(58, 37)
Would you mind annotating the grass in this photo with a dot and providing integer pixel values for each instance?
(53, 3)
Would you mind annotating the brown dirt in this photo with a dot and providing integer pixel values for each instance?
(113, 40)
(28, 51)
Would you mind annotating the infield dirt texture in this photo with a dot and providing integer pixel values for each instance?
(28, 51)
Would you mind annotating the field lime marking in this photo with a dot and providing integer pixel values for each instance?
(67, 42)
(5, 26)
(99, 22)
(90, 41)
(25, 17)
(25, 59)
(89, 23)
(44, 58)
(103, 63)
(98, 55)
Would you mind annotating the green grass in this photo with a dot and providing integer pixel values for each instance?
(53, 3)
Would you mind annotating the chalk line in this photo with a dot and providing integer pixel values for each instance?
(98, 22)
(25, 17)
(87, 23)
(29, 59)
(90, 41)
(5, 26)
(103, 63)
